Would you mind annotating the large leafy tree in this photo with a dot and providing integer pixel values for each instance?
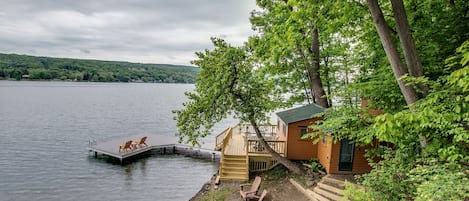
(229, 83)
(296, 41)
(413, 117)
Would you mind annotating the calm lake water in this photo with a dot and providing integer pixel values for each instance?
(46, 126)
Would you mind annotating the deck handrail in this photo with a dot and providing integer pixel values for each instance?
(267, 130)
(220, 137)
(255, 147)
(226, 139)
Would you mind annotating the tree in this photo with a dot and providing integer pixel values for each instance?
(290, 41)
(398, 67)
(229, 83)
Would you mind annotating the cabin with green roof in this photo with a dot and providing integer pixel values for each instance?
(242, 153)
(342, 157)
(292, 125)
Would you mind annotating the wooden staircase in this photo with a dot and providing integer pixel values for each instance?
(234, 167)
(240, 155)
(328, 189)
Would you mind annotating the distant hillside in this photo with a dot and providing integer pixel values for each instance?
(13, 66)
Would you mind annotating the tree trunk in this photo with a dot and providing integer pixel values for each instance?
(410, 94)
(284, 161)
(384, 32)
(318, 89)
(408, 45)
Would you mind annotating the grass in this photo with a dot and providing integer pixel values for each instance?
(218, 195)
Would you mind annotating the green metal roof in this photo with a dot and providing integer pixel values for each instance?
(299, 113)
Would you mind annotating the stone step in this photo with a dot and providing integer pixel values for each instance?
(327, 194)
(329, 179)
(331, 188)
(318, 196)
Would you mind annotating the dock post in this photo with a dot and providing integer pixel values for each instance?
(164, 150)
(96, 154)
(174, 149)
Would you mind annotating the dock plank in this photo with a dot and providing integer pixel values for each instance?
(111, 147)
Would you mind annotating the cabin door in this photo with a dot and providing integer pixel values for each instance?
(346, 155)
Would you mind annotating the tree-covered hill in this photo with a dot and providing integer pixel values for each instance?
(14, 66)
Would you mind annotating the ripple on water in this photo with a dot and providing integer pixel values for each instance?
(46, 127)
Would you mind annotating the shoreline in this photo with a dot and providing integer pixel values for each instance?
(68, 81)
(205, 187)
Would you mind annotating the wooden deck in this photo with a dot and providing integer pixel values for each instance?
(236, 146)
(111, 147)
(242, 153)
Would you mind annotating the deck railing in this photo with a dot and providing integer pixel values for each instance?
(267, 130)
(226, 139)
(220, 138)
(255, 147)
(262, 164)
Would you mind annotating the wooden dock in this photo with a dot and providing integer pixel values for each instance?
(111, 147)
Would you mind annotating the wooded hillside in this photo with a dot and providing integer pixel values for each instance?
(13, 66)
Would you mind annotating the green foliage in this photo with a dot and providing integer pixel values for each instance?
(389, 178)
(228, 84)
(46, 68)
(439, 171)
(315, 165)
(440, 181)
(355, 193)
(250, 82)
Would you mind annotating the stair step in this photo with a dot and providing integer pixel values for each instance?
(329, 179)
(327, 194)
(331, 188)
(234, 178)
(235, 156)
(234, 159)
(235, 168)
(319, 197)
(233, 164)
(334, 185)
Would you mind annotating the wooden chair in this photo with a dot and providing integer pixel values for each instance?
(127, 145)
(142, 142)
(254, 187)
(258, 198)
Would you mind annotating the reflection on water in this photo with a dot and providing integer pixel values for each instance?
(46, 127)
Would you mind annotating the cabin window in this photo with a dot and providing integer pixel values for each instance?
(303, 130)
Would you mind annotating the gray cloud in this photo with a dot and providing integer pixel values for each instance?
(156, 31)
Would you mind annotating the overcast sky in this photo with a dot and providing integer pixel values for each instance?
(144, 31)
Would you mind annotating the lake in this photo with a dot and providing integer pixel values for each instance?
(46, 127)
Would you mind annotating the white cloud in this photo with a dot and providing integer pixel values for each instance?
(149, 31)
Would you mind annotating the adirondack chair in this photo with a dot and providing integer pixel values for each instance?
(126, 146)
(258, 198)
(247, 194)
(142, 142)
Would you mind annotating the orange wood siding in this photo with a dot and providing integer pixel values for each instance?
(324, 153)
(297, 148)
(360, 164)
